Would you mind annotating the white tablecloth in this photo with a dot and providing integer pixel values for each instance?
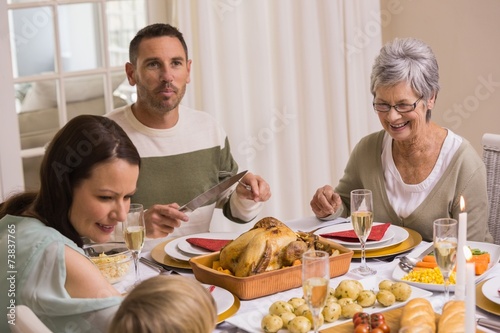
(253, 309)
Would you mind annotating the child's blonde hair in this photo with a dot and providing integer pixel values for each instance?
(166, 303)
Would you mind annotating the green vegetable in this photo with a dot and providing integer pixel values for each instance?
(476, 252)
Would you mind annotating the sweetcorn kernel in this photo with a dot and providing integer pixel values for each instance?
(430, 275)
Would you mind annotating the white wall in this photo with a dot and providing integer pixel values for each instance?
(465, 36)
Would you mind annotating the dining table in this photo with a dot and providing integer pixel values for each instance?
(248, 316)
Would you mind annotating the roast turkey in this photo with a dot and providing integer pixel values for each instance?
(268, 246)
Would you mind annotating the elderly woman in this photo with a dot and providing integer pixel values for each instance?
(416, 169)
(88, 175)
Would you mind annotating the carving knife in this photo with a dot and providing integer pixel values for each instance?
(213, 194)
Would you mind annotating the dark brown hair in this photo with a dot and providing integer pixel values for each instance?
(82, 144)
(152, 31)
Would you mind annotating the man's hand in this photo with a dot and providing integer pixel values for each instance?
(161, 220)
(325, 202)
(259, 191)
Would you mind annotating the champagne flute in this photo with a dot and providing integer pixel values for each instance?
(362, 220)
(445, 249)
(315, 279)
(134, 232)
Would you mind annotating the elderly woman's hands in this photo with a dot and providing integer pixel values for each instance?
(325, 202)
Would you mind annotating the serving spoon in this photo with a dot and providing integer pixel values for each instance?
(408, 263)
(91, 252)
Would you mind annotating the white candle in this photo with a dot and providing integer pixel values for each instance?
(462, 241)
(470, 293)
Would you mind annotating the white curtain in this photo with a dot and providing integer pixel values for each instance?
(289, 81)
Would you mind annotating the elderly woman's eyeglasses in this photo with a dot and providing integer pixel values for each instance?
(401, 108)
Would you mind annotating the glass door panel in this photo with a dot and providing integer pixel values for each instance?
(38, 118)
(80, 37)
(125, 18)
(68, 58)
(32, 40)
(85, 95)
(38, 95)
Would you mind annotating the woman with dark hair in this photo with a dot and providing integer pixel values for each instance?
(88, 175)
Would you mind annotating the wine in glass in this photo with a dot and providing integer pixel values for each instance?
(315, 279)
(445, 249)
(362, 220)
(134, 232)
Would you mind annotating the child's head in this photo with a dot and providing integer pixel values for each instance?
(166, 303)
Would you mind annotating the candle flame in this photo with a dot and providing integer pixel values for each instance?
(467, 253)
(462, 203)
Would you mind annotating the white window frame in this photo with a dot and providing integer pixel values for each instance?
(11, 169)
(11, 154)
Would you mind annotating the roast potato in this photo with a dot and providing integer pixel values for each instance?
(280, 307)
(366, 298)
(349, 289)
(332, 312)
(386, 298)
(401, 290)
(301, 310)
(385, 285)
(287, 317)
(271, 323)
(296, 302)
(299, 324)
(350, 309)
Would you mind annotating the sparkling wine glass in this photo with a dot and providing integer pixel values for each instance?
(315, 279)
(445, 249)
(362, 220)
(134, 232)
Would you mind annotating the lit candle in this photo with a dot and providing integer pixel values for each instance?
(470, 293)
(462, 241)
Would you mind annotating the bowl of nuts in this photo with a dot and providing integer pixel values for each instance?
(114, 260)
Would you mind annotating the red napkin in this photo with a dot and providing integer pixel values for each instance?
(377, 233)
(208, 244)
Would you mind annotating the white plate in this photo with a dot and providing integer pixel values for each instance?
(400, 234)
(490, 289)
(190, 249)
(493, 249)
(223, 298)
(172, 249)
(250, 321)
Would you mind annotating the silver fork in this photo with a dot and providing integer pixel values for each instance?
(408, 263)
(156, 266)
(493, 324)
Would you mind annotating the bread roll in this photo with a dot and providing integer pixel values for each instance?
(418, 311)
(452, 319)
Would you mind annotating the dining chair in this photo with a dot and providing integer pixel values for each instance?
(28, 322)
(491, 158)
